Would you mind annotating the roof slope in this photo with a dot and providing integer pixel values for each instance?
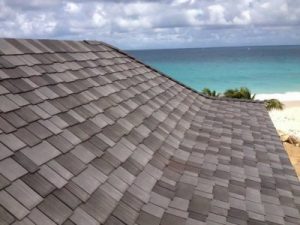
(89, 135)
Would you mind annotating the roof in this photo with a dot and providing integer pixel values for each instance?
(89, 135)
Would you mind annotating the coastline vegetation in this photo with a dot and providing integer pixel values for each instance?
(274, 104)
(244, 93)
(209, 92)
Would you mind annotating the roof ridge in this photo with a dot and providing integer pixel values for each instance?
(91, 42)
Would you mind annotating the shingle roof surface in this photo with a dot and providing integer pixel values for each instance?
(89, 135)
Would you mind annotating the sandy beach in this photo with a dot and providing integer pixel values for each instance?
(288, 119)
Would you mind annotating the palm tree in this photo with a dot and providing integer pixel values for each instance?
(273, 104)
(243, 93)
(207, 91)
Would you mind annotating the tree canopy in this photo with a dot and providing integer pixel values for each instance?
(244, 93)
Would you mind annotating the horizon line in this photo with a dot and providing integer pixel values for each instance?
(237, 46)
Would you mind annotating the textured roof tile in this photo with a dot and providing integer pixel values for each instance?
(27, 114)
(86, 182)
(3, 182)
(27, 137)
(125, 213)
(39, 218)
(25, 221)
(12, 205)
(77, 191)
(67, 197)
(8, 49)
(63, 172)
(71, 163)
(39, 130)
(80, 217)
(89, 135)
(52, 176)
(24, 194)
(41, 153)
(38, 184)
(71, 137)
(55, 209)
(5, 217)
(11, 169)
(11, 141)
(4, 152)
(14, 119)
(59, 142)
(24, 161)
(6, 126)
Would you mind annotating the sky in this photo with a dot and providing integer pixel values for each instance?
(153, 24)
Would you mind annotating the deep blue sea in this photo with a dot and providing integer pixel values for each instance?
(269, 69)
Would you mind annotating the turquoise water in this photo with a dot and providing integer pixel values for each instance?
(272, 69)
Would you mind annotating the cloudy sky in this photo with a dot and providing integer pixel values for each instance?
(133, 24)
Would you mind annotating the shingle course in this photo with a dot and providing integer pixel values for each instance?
(89, 135)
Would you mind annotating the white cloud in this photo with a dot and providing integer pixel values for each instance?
(72, 7)
(32, 4)
(193, 16)
(99, 16)
(141, 8)
(152, 23)
(216, 14)
(133, 23)
(243, 19)
(181, 2)
(39, 25)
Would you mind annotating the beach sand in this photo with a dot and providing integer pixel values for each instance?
(294, 156)
(288, 119)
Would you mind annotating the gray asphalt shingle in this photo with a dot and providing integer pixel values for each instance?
(11, 169)
(41, 153)
(12, 205)
(89, 136)
(24, 194)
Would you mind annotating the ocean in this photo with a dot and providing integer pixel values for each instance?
(264, 70)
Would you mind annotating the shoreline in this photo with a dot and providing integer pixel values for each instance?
(284, 97)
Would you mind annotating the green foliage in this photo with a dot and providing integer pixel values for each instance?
(243, 93)
(273, 104)
(207, 91)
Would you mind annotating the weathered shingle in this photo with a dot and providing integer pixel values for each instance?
(5, 217)
(11, 141)
(41, 153)
(24, 194)
(55, 209)
(90, 136)
(4, 152)
(12, 205)
(11, 169)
